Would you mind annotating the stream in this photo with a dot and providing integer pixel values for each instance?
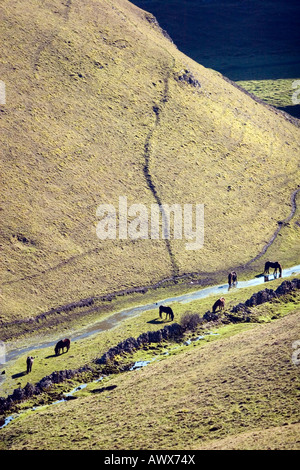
(118, 317)
(70, 395)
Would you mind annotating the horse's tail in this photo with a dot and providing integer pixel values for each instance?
(280, 270)
(160, 309)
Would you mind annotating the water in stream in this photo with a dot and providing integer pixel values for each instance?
(67, 396)
(118, 317)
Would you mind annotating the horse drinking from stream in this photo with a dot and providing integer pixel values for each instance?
(276, 265)
(232, 279)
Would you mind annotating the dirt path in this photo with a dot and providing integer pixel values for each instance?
(281, 225)
(147, 156)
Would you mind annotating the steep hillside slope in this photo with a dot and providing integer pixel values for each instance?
(100, 104)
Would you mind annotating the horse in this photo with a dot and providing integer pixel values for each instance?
(168, 311)
(219, 303)
(275, 265)
(63, 343)
(232, 278)
(29, 362)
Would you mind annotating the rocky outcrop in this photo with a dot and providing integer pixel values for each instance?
(152, 20)
(44, 385)
(287, 286)
(267, 295)
(187, 77)
(210, 316)
(131, 344)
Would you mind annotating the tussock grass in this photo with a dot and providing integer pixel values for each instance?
(278, 92)
(237, 392)
(85, 84)
(86, 350)
(82, 81)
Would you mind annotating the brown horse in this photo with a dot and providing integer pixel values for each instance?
(275, 265)
(220, 303)
(63, 343)
(168, 311)
(232, 278)
(29, 362)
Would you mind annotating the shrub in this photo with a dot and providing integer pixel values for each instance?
(190, 321)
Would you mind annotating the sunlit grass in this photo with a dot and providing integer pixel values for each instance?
(205, 395)
(279, 93)
(77, 118)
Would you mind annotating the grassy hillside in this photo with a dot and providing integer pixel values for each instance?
(252, 42)
(97, 108)
(280, 93)
(239, 390)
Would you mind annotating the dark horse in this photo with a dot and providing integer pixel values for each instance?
(275, 265)
(220, 303)
(63, 343)
(168, 311)
(232, 278)
(29, 362)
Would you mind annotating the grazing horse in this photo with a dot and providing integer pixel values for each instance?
(275, 265)
(63, 343)
(168, 311)
(29, 362)
(219, 303)
(232, 278)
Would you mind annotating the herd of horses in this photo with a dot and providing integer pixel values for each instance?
(218, 305)
(232, 281)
